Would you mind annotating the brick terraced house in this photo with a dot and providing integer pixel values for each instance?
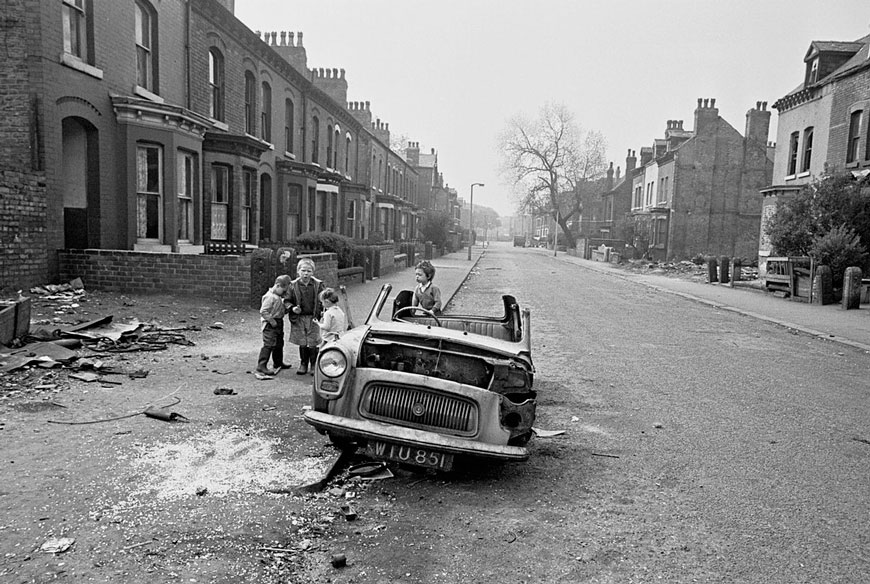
(823, 124)
(697, 191)
(168, 125)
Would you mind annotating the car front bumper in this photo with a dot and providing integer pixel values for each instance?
(372, 430)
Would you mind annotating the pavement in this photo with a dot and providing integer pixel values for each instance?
(451, 271)
(829, 322)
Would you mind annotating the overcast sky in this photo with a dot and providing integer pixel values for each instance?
(449, 73)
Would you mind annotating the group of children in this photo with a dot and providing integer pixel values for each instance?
(315, 316)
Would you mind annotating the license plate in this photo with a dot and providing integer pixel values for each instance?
(410, 455)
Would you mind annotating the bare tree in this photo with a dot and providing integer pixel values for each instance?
(549, 160)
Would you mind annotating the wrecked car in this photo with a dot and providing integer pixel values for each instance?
(422, 388)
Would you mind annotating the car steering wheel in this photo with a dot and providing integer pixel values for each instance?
(428, 313)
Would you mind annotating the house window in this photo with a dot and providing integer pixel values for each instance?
(347, 156)
(293, 206)
(187, 185)
(660, 234)
(854, 143)
(814, 71)
(321, 211)
(149, 191)
(250, 102)
(807, 156)
(265, 207)
(312, 206)
(792, 153)
(146, 22)
(216, 84)
(351, 218)
(220, 201)
(337, 140)
(288, 125)
(249, 187)
(315, 139)
(266, 113)
(75, 29)
(328, 145)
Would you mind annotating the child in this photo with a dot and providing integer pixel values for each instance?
(304, 307)
(426, 294)
(272, 325)
(334, 322)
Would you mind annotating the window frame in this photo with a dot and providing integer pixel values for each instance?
(807, 149)
(249, 189)
(250, 103)
(315, 139)
(145, 19)
(74, 17)
(266, 112)
(329, 137)
(216, 80)
(187, 180)
(220, 195)
(289, 117)
(792, 162)
(146, 196)
(853, 143)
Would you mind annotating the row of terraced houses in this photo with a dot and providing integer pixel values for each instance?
(165, 126)
(709, 189)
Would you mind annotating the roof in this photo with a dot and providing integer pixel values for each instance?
(833, 47)
(428, 160)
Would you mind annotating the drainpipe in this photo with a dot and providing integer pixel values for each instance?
(187, 54)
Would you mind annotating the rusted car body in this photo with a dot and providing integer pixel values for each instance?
(422, 389)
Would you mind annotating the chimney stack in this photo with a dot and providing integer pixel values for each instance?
(706, 115)
(758, 123)
(630, 161)
(646, 154)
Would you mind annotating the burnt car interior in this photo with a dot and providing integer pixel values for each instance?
(507, 327)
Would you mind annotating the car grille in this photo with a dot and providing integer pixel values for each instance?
(419, 408)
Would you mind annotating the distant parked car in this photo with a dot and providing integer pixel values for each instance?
(422, 388)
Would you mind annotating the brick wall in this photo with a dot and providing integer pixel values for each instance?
(226, 278)
(22, 184)
(849, 94)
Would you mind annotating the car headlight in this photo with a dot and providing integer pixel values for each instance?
(332, 363)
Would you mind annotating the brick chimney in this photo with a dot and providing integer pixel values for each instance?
(291, 49)
(361, 111)
(706, 115)
(758, 123)
(331, 82)
(381, 130)
(412, 153)
(608, 182)
(630, 161)
(646, 154)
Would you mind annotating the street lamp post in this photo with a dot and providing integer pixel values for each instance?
(471, 216)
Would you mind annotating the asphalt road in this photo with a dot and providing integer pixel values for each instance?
(700, 446)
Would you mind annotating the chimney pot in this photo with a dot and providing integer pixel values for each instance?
(699, 102)
(713, 102)
(299, 36)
